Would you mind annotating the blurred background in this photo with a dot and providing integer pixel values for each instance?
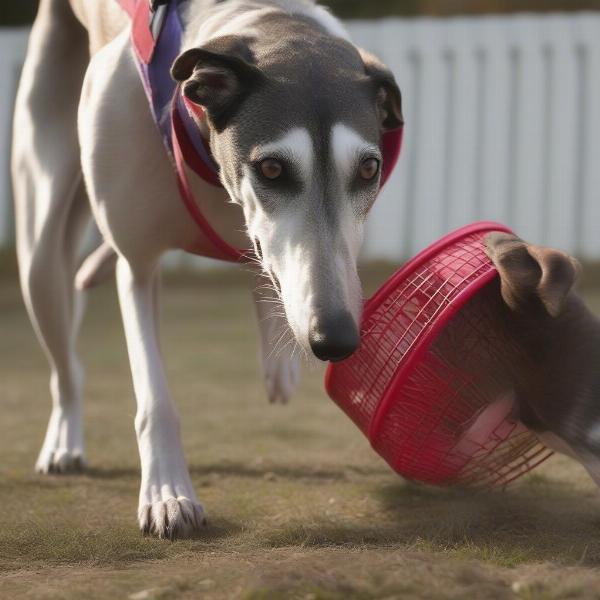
(501, 105)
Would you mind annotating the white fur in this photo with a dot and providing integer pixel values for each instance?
(51, 215)
(166, 489)
(63, 449)
(297, 146)
(300, 253)
(279, 362)
(282, 258)
(347, 148)
(275, 232)
(96, 268)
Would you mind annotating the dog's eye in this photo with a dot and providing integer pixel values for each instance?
(271, 168)
(369, 169)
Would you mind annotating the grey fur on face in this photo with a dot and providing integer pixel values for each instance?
(281, 85)
(309, 79)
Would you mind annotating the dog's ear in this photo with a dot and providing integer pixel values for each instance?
(387, 93)
(532, 275)
(218, 76)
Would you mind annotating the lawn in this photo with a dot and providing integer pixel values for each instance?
(299, 506)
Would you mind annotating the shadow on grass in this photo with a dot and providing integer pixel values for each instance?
(537, 520)
(244, 470)
(218, 529)
(531, 523)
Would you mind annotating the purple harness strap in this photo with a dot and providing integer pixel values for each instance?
(160, 87)
(157, 45)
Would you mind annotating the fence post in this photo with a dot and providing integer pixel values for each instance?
(12, 51)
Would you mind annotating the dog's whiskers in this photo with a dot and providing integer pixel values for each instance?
(273, 315)
(277, 347)
(270, 293)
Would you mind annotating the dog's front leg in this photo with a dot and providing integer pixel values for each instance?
(280, 364)
(168, 506)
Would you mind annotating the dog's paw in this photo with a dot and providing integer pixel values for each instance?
(168, 507)
(60, 462)
(172, 518)
(62, 451)
(281, 375)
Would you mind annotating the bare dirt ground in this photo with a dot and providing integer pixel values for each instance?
(299, 505)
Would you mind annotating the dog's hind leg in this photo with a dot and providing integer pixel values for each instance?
(51, 215)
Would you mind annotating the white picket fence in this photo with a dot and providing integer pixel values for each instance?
(13, 43)
(502, 122)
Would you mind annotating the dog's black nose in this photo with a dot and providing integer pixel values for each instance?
(333, 337)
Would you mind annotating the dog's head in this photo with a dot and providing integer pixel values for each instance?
(296, 118)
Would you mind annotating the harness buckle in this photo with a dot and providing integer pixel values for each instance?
(154, 4)
(158, 13)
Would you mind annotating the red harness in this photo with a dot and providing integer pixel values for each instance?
(156, 35)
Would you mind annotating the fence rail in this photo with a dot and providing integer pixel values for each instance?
(502, 122)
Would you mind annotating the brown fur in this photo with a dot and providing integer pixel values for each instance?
(556, 372)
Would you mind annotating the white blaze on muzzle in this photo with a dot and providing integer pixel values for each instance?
(308, 245)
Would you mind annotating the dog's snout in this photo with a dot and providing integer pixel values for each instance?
(333, 337)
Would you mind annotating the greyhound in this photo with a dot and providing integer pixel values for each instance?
(294, 117)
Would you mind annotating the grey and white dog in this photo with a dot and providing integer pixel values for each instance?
(295, 116)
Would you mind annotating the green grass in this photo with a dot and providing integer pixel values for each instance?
(299, 506)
